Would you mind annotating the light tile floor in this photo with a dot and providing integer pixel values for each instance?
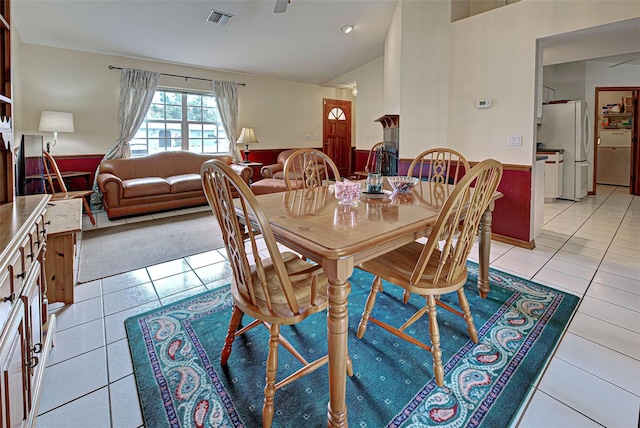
(590, 248)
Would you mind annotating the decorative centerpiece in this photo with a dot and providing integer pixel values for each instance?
(374, 183)
(402, 184)
(347, 192)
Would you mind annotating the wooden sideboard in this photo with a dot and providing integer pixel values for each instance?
(27, 333)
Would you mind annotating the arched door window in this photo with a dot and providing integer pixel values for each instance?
(337, 113)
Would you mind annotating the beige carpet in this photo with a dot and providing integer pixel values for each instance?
(118, 249)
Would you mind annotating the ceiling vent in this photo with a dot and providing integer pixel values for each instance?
(218, 17)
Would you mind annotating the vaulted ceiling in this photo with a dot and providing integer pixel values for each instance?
(303, 44)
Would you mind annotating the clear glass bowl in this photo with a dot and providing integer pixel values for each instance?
(348, 192)
(402, 184)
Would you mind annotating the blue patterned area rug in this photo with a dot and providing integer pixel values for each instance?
(176, 359)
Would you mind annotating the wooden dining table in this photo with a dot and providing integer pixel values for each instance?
(313, 223)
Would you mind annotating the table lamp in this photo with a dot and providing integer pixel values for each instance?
(55, 121)
(247, 136)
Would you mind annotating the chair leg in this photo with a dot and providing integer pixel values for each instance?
(434, 334)
(405, 296)
(349, 366)
(236, 317)
(371, 300)
(272, 368)
(464, 304)
(87, 208)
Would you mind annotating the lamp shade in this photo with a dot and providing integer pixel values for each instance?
(56, 121)
(247, 136)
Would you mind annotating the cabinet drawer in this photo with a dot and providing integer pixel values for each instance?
(37, 238)
(6, 299)
(16, 273)
(43, 224)
(26, 253)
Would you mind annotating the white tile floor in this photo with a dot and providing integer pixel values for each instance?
(590, 248)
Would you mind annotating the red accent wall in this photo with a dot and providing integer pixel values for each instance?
(359, 158)
(266, 157)
(79, 163)
(512, 215)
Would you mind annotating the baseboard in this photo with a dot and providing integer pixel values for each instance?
(529, 245)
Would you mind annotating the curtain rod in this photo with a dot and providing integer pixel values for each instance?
(111, 67)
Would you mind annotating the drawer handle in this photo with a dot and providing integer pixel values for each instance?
(44, 232)
(47, 222)
(30, 256)
(21, 275)
(32, 362)
(10, 298)
(37, 348)
(38, 242)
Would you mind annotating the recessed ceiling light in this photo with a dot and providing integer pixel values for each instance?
(346, 29)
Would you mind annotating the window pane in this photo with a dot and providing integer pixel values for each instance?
(194, 114)
(156, 111)
(167, 128)
(174, 98)
(194, 100)
(174, 112)
(138, 147)
(210, 130)
(142, 132)
(158, 97)
(154, 146)
(210, 115)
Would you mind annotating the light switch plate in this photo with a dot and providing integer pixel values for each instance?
(515, 140)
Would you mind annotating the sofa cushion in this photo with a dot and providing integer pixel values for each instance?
(137, 187)
(271, 185)
(185, 183)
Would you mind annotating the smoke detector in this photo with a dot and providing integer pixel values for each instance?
(218, 17)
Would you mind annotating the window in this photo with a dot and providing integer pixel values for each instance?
(181, 121)
(337, 113)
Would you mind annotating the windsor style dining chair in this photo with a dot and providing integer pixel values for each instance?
(373, 160)
(306, 168)
(51, 170)
(439, 164)
(274, 288)
(433, 269)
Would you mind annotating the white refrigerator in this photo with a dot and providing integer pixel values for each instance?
(568, 126)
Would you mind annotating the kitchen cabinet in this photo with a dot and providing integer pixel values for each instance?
(553, 172)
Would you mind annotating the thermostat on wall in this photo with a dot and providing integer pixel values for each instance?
(483, 103)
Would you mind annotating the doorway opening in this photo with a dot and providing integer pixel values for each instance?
(616, 158)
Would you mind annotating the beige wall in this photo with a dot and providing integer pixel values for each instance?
(369, 105)
(433, 71)
(424, 69)
(493, 55)
(392, 61)
(282, 113)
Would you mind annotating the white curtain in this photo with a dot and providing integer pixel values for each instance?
(137, 88)
(226, 94)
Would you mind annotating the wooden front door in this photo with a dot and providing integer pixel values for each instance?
(336, 133)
